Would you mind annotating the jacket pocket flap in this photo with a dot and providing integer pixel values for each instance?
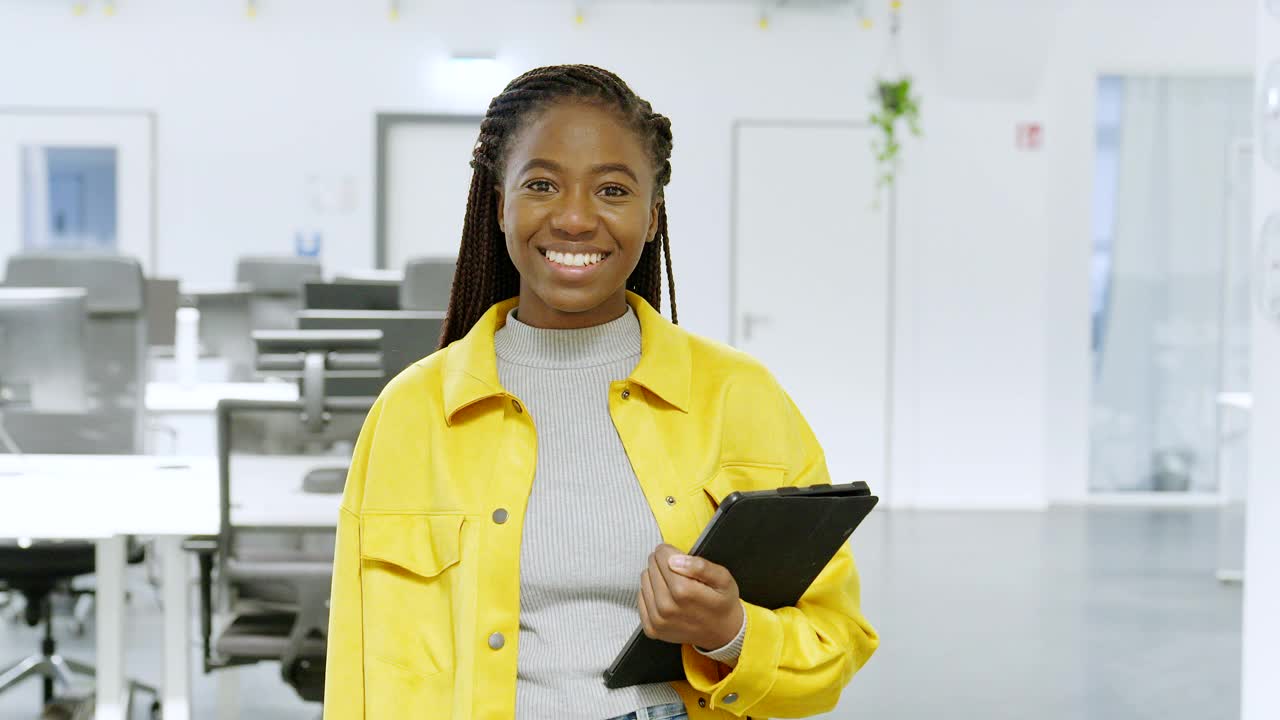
(425, 545)
(744, 477)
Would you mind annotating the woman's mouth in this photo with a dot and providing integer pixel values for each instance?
(574, 260)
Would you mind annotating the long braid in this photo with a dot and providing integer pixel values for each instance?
(485, 274)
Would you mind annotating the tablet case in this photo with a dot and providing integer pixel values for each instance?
(774, 543)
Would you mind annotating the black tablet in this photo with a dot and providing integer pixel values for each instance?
(774, 543)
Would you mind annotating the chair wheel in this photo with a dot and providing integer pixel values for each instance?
(157, 712)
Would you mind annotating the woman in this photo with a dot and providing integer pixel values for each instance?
(516, 500)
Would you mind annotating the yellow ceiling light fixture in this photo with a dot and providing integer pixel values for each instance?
(864, 19)
(394, 12)
(109, 8)
(251, 9)
(79, 8)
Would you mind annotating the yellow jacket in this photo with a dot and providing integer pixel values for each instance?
(426, 575)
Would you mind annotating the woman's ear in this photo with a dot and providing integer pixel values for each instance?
(653, 222)
(502, 208)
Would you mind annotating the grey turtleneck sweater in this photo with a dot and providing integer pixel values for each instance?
(588, 530)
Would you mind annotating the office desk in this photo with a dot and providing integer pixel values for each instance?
(188, 413)
(266, 492)
(105, 498)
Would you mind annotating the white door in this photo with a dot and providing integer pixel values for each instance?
(428, 177)
(77, 181)
(810, 283)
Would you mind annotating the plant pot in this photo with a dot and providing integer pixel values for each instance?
(891, 96)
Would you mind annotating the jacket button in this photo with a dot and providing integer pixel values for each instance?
(626, 394)
(671, 500)
(731, 698)
(702, 702)
(496, 641)
(500, 516)
(516, 404)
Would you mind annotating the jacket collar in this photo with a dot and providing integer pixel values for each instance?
(665, 367)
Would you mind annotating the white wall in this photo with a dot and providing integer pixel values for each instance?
(992, 377)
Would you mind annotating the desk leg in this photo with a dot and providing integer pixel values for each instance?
(177, 630)
(112, 699)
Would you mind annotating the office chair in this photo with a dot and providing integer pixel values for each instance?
(270, 583)
(116, 342)
(427, 284)
(276, 287)
(116, 336)
(36, 573)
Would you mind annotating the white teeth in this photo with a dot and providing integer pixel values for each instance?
(574, 259)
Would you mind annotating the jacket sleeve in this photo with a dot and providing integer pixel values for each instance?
(795, 661)
(344, 666)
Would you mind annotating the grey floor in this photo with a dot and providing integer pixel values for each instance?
(1072, 614)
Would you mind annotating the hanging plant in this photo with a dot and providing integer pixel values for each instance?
(896, 102)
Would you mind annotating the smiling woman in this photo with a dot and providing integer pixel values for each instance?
(520, 502)
(568, 160)
(576, 225)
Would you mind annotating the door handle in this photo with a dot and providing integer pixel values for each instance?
(750, 321)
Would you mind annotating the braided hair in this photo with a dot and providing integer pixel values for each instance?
(485, 274)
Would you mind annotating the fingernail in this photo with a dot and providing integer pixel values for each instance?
(680, 562)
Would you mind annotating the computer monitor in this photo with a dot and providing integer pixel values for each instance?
(407, 336)
(42, 349)
(351, 296)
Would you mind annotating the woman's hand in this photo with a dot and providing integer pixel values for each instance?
(689, 601)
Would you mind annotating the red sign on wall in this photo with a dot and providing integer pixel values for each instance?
(1030, 136)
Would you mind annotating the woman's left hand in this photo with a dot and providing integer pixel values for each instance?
(689, 601)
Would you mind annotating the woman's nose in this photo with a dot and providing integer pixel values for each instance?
(575, 216)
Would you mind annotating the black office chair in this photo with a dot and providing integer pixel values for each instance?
(116, 333)
(272, 583)
(36, 573)
(276, 285)
(427, 283)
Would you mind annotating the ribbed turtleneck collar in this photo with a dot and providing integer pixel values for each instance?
(523, 344)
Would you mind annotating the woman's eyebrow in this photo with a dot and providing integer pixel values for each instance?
(601, 169)
(614, 167)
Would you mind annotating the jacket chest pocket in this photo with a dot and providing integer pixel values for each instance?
(738, 477)
(408, 588)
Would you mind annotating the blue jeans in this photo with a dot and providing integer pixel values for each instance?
(674, 711)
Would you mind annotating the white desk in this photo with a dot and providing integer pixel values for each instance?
(189, 413)
(266, 491)
(104, 499)
(172, 397)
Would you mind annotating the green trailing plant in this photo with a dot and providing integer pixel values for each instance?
(896, 102)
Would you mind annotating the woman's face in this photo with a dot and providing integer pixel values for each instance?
(577, 206)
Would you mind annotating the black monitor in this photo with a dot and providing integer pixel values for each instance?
(351, 296)
(407, 336)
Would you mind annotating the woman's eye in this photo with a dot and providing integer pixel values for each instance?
(615, 191)
(540, 186)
